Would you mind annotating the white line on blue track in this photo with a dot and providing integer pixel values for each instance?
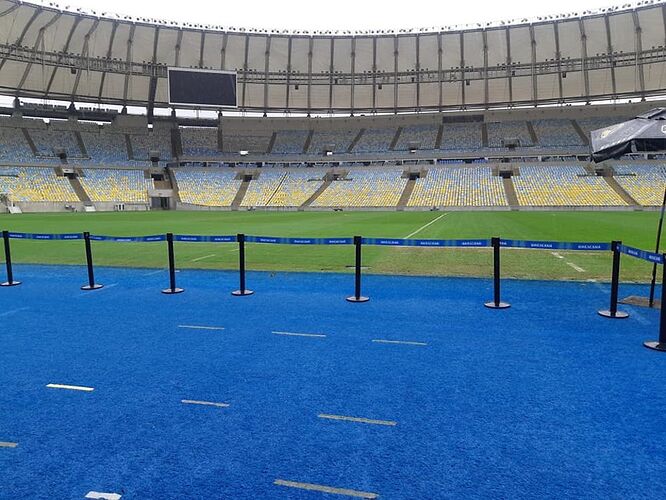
(153, 273)
(326, 489)
(294, 334)
(13, 311)
(204, 257)
(426, 225)
(201, 327)
(405, 342)
(70, 387)
(98, 495)
(361, 420)
(204, 403)
(6, 444)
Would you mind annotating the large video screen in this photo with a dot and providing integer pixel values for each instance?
(190, 87)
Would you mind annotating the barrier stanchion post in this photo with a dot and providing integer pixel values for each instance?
(660, 345)
(612, 312)
(497, 302)
(172, 268)
(8, 262)
(241, 268)
(357, 297)
(89, 262)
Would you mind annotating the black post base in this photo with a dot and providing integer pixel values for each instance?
(10, 283)
(499, 305)
(357, 299)
(655, 345)
(617, 315)
(171, 291)
(241, 293)
(92, 287)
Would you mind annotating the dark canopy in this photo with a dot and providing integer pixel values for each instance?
(646, 132)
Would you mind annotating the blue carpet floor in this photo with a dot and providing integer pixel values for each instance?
(543, 400)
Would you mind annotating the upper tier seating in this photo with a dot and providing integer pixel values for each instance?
(461, 137)
(339, 139)
(48, 140)
(154, 140)
(644, 183)
(498, 131)
(563, 186)
(364, 187)
(199, 142)
(13, 145)
(36, 185)
(107, 185)
(425, 135)
(212, 187)
(556, 133)
(106, 147)
(290, 141)
(459, 187)
(374, 140)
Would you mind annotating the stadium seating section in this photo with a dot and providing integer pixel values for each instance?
(563, 186)
(364, 187)
(105, 185)
(210, 188)
(645, 184)
(36, 185)
(459, 187)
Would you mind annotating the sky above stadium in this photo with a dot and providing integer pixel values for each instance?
(338, 14)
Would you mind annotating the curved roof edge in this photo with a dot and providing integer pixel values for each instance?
(49, 5)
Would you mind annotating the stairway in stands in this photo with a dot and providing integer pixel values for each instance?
(406, 194)
(510, 190)
(316, 194)
(622, 193)
(79, 190)
(240, 195)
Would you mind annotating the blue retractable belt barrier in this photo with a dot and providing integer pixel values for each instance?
(425, 243)
(299, 241)
(204, 239)
(40, 236)
(555, 245)
(642, 254)
(129, 239)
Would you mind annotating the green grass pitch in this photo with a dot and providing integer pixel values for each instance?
(633, 228)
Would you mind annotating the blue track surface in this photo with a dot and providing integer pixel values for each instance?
(543, 400)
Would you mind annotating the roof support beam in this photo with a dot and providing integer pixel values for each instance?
(584, 60)
(152, 82)
(440, 77)
(84, 52)
(610, 54)
(64, 50)
(39, 42)
(19, 40)
(558, 58)
(509, 64)
(374, 74)
(287, 87)
(129, 58)
(484, 35)
(310, 50)
(109, 51)
(463, 81)
(331, 74)
(245, 66)
(267, 65)
(533, 44)
(353, 73)
(638, 47)
(396, 53)
(418, 73)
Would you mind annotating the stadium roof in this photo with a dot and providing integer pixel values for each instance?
(50, 53)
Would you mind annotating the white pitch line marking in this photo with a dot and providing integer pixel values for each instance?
(13, 311)
(6, 444)
(102, 496)
(326, 489)
(358, 419)
(292, 334)
(574, 266)
(70, 387)
(153, 273)
(555, 254)
(204, 257)
(405, 342)
(204, 403)
(425, 225)
(198, 327)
